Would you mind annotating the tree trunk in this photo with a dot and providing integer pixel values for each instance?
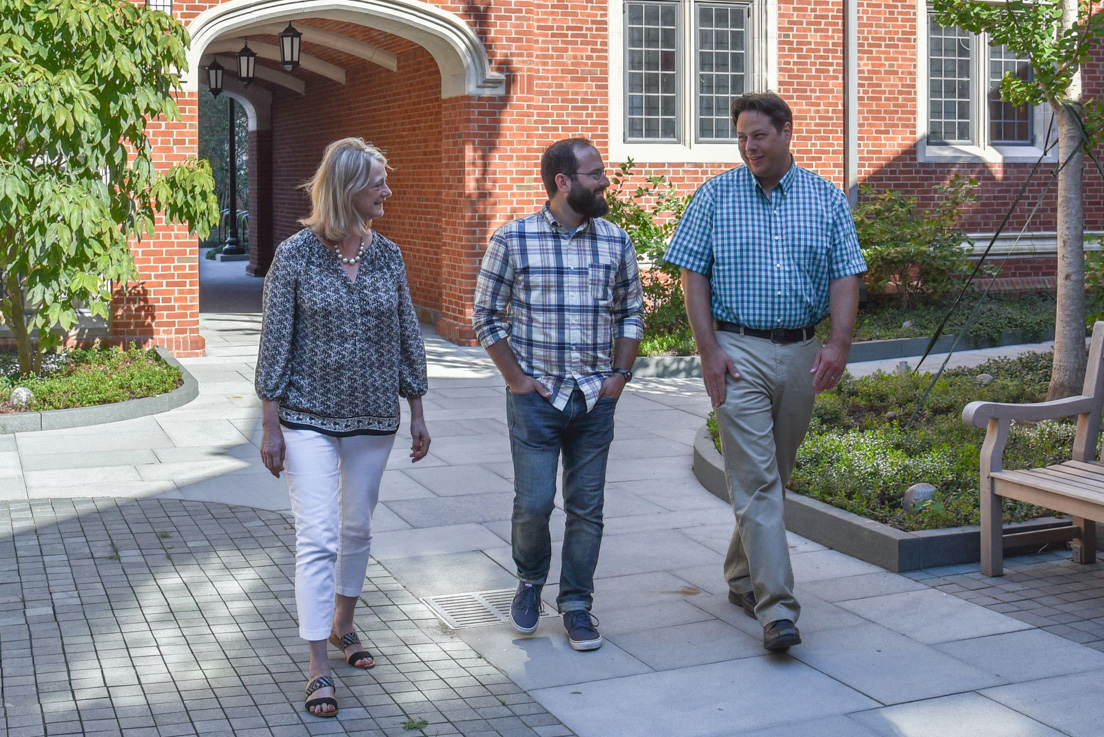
(17, 320)
(1068, 371)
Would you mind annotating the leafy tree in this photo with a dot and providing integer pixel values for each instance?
(1057, 37)
(922, 253)
(649, 214)
(79, 82)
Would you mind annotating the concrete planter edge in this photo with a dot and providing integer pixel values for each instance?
(58, 419)
(857, 536)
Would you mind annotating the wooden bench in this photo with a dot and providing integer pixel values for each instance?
(1075, 487)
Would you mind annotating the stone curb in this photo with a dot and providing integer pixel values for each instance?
(687, 367)
(57, 419)
(857, 536)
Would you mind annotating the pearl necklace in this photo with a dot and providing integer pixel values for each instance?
(355, 259)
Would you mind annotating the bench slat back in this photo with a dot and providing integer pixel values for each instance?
(1088, 425)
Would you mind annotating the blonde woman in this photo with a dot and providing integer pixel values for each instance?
(340, 344)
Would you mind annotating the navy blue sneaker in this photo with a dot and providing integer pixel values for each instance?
(581, 632)
(526, 608)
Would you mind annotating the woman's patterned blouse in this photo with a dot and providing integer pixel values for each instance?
(338, 353)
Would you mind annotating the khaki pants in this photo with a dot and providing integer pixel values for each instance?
(762, 422)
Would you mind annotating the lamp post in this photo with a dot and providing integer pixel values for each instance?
(233, 247)
(290, 40)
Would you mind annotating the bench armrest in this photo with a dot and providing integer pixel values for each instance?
(978, 414)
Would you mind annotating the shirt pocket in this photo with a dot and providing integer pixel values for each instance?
(600, 278)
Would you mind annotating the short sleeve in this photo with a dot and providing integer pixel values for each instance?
(692, 244)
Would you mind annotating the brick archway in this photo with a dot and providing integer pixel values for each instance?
(454, 45)
(401, 73)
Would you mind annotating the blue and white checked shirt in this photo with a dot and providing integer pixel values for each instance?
(560, 300)
(769, 260)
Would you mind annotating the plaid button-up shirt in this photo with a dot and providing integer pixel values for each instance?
(769, 260)
(560, 300)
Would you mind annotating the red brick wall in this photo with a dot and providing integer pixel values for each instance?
(888, 124)
(261, 244)
(810, 78)
(162, 308)
(464, 166)
(398, 111)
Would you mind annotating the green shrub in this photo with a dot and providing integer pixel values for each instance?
(921, 253)
(649, 214)
(1030, 316)
(87, 377)
(675, 343)
(860, 456)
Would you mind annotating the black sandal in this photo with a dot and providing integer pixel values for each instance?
(317, 683)
(347, 641)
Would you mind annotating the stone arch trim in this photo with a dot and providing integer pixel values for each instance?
(454, 45)
(256, 101)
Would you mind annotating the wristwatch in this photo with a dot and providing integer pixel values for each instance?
(624, 372)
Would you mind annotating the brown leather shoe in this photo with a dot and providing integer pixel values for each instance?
(780, 635)
(747, 601)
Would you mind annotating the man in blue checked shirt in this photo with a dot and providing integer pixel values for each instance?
(556, 290)
(767, 251)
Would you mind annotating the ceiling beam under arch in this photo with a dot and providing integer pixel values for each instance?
(230, 63)
(335, 41)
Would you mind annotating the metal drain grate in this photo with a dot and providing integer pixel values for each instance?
(462, 611)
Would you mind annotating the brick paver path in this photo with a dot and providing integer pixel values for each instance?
(1047, 590)
(121, 617)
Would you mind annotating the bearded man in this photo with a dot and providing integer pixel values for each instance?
(555, 291)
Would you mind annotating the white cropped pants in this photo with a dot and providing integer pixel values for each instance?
(334, 486)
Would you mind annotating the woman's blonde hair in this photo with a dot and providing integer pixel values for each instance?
(345, 170)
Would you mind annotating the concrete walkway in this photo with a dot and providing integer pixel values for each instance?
(157, 554)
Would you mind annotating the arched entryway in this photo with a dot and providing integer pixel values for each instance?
(399, 73)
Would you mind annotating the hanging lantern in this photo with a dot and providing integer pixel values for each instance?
(247, 64)
(290, 40)
(214, 78)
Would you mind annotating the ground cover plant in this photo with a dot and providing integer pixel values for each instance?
(860, 456)
(1027, 317)
(87, 377)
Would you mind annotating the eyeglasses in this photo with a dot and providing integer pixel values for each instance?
(596, 174)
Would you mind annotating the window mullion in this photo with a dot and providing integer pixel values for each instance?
(687, 74)
(979, 91)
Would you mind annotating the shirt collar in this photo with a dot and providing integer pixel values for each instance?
(549, 218)
(784, 184)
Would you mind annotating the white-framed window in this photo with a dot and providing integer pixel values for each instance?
(675, 66)
(960, 114)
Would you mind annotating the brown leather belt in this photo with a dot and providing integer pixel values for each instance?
(781, 335)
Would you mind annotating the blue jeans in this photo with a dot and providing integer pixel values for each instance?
(539, 433)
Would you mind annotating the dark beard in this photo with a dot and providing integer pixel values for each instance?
(586, 203)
